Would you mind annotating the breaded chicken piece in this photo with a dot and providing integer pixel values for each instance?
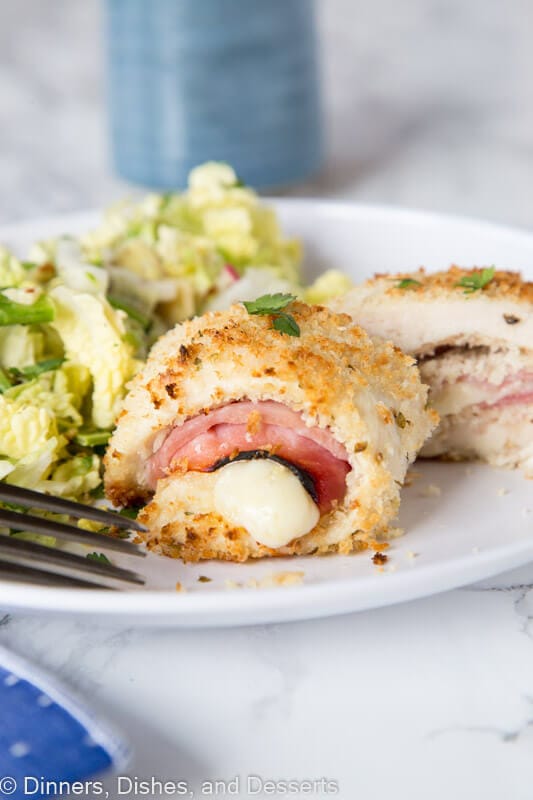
(471, 332)
(249, 442)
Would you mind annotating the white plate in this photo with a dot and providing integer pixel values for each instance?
(480, 524)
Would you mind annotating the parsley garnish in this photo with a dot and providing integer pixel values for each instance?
(100, 558)
(129, 513)
(408, 283)
(477, 280)
(401, 421)
(268, 303)
(34, 370)
(273, 304)
(285, 323)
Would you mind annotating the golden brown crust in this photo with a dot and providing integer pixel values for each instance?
(181, 521)
(206, 536)
(334, 375)
(469, 339)
(121, 495)
(503, 285)
(329, 362)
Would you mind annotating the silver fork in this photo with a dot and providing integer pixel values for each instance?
(30, 562)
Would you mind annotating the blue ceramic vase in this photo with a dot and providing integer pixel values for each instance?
(198, 80)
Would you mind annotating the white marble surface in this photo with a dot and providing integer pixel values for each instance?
(427, 699)
(430, 104)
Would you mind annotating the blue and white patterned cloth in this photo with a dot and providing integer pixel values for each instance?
(46, 734)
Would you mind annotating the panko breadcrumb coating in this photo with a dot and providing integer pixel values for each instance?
(364, 393)
(471, 331)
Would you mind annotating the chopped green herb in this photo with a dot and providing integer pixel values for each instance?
(204, 579)
(273, 304)
(28, 265)
(105, 531)
(401, 421)
(408, 283)
(129, 513)
(285, 323)
(477, 280)
(130, 310)
(5, 383)
(100, 558)
(12, 313)
(239, 183)
(34, 370)
(268, 303)
(92, 438)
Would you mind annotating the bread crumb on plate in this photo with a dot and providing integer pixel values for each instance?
(431, 490)
(285, 578)
(411, 477)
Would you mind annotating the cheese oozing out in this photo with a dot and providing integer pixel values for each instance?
(266, 499)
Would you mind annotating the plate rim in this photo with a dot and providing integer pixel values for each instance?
(409, 213)
(189, 609)
(468, 568)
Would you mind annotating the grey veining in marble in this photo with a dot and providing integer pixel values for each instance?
(433, 698)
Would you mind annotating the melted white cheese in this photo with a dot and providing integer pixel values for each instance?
(452, 398)
(266, 499)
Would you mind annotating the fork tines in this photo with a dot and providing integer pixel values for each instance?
(21, 574)
(47, 502)
(23, 555)
(23, 560)
(69, 533)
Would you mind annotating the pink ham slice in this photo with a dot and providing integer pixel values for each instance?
(513, 399)
(203, 440)
(515, 389)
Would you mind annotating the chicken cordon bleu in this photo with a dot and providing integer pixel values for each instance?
(471, 332)
(249, 440)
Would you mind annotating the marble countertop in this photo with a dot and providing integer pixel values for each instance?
(430, 106)
(427, 699)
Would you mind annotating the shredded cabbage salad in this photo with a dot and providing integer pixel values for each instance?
(79, 316)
